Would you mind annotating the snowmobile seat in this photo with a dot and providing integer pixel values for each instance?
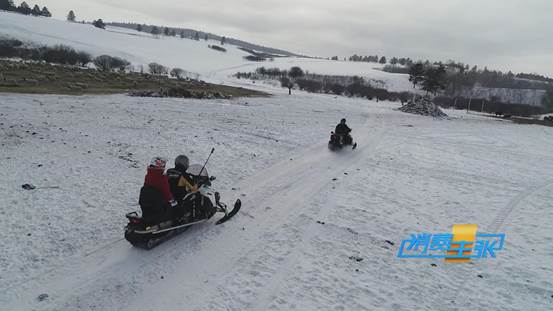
(154, 208)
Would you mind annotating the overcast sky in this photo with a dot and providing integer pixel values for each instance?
(502, 34)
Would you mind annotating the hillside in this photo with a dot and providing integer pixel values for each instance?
(194, 56)
(190, 33)
(141, 48)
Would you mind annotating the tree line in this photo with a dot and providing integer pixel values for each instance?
(429, 77)
(381, 60)
(24, 8)
(460, 74)
(314, 83)
(58, 54)
(157, 31)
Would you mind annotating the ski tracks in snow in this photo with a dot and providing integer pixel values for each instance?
(259, 260)
(285, 245)
(184, 272)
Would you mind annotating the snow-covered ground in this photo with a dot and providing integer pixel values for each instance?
(410, 174)
(194, 56)
(318, 230)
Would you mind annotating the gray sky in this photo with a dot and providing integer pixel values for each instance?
(502, 34)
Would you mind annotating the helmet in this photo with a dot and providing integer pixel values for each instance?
(158, 163)
(343, 121)
(182, 162)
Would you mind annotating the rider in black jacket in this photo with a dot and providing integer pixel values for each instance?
(343, 130)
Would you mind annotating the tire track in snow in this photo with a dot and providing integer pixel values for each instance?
(104, 263)
(282, 268)
(302, 172)
(496, 225)
(120, 272)
(307, 228)
(503, 214)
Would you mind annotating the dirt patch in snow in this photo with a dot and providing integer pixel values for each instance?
(43, 78)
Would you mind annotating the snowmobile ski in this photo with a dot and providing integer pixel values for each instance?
(234, 211)
(354, 146)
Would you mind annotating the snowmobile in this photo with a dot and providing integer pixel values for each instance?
(201, 205)
(337, 141)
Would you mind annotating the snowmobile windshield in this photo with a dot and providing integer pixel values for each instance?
(195, 169)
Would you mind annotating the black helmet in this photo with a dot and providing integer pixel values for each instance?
(343, 121)
(182, 162)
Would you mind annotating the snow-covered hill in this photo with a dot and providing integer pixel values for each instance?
(194, 56)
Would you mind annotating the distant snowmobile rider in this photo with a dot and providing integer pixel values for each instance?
(343, 130)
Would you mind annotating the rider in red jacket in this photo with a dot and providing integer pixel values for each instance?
(156, 178)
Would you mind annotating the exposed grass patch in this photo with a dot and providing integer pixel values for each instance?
(43, 78)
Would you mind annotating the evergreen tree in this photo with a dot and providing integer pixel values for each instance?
(36, 11)
(166, 31)
(45, 12)
(416, 74)
(434, 79)
(173, 33)
(7, 5)
(71, 16)
(394, 61)
(182, 34)
(139, 28)
(155, 31)
(206, 37)
(24, 8)
(295, 73)
(382, 60)
(223, 40)
(197, 36)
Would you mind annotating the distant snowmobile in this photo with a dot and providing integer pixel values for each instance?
(337, 142)
(203, 204)
(341, 137)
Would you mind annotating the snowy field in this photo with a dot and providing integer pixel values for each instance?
(290, 246)
(318, 230)
(194, 56)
